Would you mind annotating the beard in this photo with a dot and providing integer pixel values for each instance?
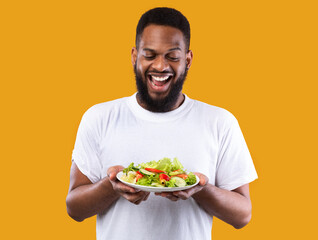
(165, 104)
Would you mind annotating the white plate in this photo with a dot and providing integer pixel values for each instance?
(155, 189)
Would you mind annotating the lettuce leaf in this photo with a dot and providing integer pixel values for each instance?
(146, 180)
(164, 164)
(176, 165)
(170, 183)
(151, 164)
(131, 167)
(191, 179)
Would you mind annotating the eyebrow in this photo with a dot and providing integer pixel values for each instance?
(170, 50)
(148, 49)
(174, 49)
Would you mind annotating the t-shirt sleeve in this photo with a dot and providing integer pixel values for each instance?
(235, 166)
(86, 149)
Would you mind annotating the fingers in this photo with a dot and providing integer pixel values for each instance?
(147, 195)
(173, 198)
(144, 198)
(186, 194)
(168, 195)
(131, 194)
(136, 198)
(122, 188)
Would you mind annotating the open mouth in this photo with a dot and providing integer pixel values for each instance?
(159, 80)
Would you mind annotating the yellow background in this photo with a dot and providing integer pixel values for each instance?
(258, 59)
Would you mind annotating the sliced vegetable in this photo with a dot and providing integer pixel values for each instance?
(179, 182)
(164, 176)
(176, 172)
(154, 170)
(146, 172)
(138, 175)
(183, 176)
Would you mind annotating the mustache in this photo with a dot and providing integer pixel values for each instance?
(156, 71)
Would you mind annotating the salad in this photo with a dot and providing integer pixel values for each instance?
(162, 173)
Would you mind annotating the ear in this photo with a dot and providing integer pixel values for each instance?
(133, 56)
(189, 58)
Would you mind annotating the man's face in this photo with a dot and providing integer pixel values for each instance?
(160, 66)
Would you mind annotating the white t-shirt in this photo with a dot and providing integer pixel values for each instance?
(204, 138)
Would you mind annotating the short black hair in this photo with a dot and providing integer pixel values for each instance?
(166, 17)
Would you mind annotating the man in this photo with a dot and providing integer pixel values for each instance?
(160, 121)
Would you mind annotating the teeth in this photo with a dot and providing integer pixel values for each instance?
(160, 79)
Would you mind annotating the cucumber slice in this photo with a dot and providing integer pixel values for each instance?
(179, 182)
(144, 171)
(175, 173)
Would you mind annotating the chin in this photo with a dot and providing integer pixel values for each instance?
(159, 102)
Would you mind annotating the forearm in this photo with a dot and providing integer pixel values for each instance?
(90, 199)
(229, 206)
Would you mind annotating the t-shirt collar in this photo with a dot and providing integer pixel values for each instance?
(147, 115)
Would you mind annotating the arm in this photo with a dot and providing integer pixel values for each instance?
(232, 207)
(86, 199)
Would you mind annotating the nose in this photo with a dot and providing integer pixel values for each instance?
(160, 64)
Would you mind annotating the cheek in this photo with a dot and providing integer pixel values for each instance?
(142, 67)
(179, 69)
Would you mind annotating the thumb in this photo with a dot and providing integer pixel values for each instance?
(203, 179)
(112, 172)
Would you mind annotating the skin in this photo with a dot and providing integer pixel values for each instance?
(86, 199)
(233, 207)
(161, 49)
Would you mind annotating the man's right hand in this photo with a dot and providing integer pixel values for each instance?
(131, 194)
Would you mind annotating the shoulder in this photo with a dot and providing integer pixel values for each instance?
(105, 107)
(213, 112)
(103, 110)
